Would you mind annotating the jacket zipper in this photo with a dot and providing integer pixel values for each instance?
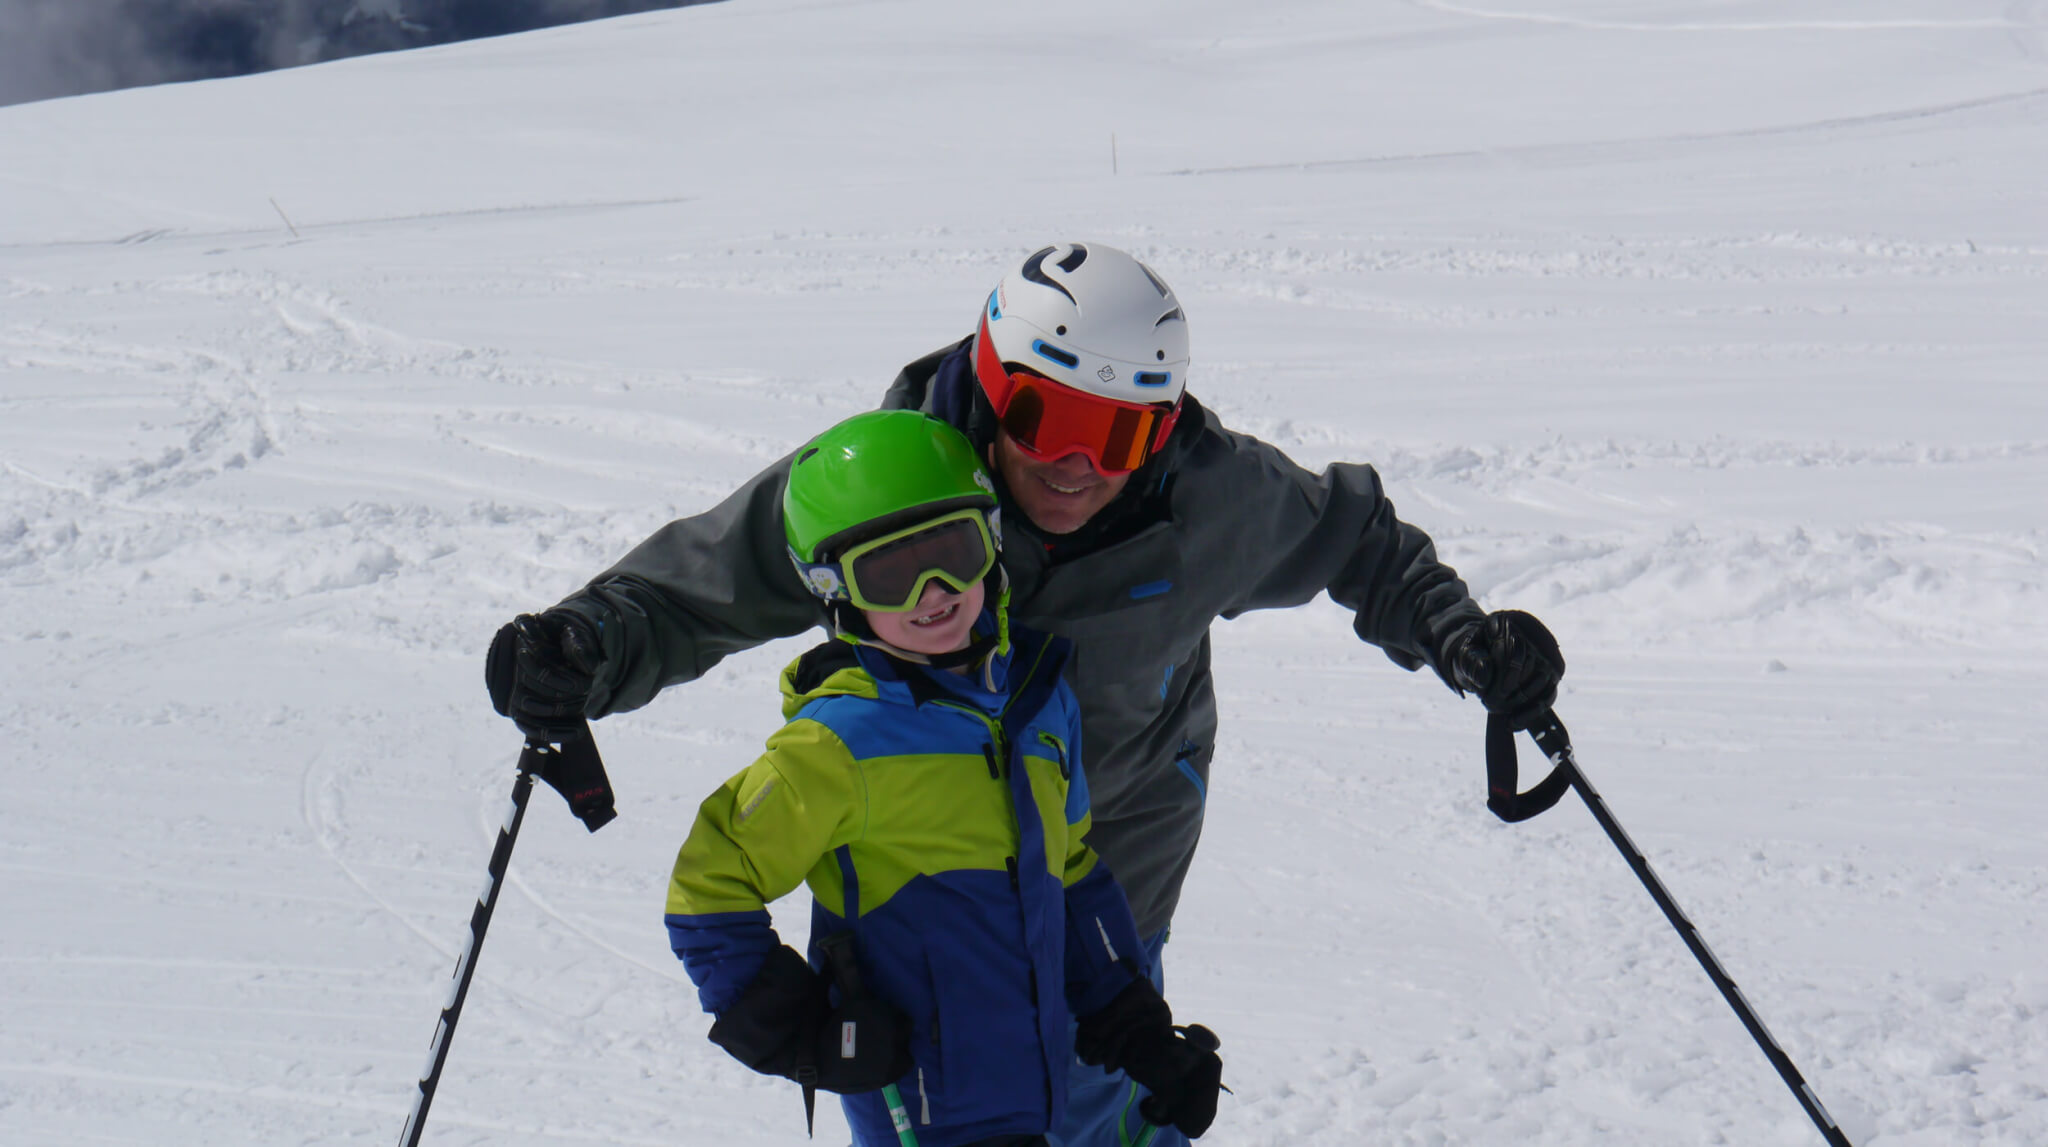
(990, 750)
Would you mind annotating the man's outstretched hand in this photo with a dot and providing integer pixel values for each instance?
(1511, 662)
(540, 671)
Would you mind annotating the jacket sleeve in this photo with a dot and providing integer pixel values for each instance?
(1104, 954)
(1336, 531)
(700, 588)
(753, 842)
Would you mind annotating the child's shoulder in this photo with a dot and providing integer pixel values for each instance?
(872, 713)
(809, 673)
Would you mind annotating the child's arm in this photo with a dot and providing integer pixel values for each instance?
(753, 842)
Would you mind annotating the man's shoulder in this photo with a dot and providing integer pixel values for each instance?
(912, 388)
(1215, 452)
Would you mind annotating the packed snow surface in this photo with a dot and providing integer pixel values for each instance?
(1711, 332)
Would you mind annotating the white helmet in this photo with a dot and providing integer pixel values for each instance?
(1090, 317)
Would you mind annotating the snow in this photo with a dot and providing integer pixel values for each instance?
(1710, 332)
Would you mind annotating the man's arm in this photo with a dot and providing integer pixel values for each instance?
(1103, 951)
(1338, 531)
(698, 589)
(1305, 533)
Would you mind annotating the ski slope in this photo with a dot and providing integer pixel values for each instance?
(1712, 332)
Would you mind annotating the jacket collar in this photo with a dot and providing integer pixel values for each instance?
(842, 669)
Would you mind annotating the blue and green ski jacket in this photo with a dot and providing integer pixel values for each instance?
(940, 819)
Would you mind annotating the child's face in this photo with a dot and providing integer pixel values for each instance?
(942, 621)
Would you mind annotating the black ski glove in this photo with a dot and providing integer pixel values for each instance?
(1511, 661)
(540, 671)
(784, 1024)
(1135, 1034)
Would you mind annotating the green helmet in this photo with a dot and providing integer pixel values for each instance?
(874, 473)
(857, 486)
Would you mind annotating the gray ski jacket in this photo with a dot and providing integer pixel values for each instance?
(1219, 523)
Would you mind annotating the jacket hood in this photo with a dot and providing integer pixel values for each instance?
(824, 672)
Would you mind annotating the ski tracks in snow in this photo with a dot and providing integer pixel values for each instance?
(275, 509)
(1468, 982)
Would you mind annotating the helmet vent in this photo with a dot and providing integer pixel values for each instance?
(1152, 377)
(807, 455)
(1075, 258)
(1161, 287)
(1034, 270)
(1169, 316)
(1049, 351)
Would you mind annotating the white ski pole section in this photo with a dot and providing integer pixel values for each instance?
(465, 966)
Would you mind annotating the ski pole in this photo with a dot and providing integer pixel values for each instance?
(532, 760)
(899, 1114)
(1511, 806)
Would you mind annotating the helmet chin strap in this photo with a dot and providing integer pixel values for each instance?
(979, 650)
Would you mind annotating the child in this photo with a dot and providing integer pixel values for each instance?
(928, 789)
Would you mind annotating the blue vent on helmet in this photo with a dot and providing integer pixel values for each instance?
(1048, 351)
(1152, 377)
(995, 309)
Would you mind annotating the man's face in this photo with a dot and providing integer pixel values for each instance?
(1058, 496)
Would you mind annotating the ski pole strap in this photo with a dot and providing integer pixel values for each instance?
(575, 770)
(1503, 779)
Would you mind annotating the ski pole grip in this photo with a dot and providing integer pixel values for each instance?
(1503, 779)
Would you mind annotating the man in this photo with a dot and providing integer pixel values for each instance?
(1138, 520)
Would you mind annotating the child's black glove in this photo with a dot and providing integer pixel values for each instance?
(784, 1024)
(1134, 1034)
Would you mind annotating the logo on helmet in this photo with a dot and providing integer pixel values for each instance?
(824, 582)
(981, 480)
(1107, 373)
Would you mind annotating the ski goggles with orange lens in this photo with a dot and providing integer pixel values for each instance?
(1049, 421)
(888, 574)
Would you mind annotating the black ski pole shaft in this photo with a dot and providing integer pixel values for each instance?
(530, 762)
(1556, 744)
